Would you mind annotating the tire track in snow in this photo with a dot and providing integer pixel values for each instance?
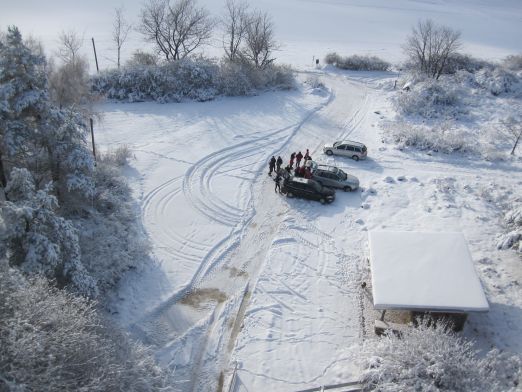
(154, 206)
(197, 180)
(196, 187)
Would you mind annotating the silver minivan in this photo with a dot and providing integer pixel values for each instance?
(347, 148)
(333, 177)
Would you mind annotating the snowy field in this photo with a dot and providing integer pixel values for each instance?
(305, 29)
(249, 278)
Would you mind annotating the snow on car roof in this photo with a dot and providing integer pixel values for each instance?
(300, 179)
(428, 271)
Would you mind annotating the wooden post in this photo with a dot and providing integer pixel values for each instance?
(92, 137)
(96, 59)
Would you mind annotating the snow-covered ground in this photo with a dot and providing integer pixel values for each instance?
(249, 278)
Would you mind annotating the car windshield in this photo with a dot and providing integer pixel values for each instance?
(342, 174)
(336, 144)
(364, 148)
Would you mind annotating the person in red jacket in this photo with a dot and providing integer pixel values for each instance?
(298, 158)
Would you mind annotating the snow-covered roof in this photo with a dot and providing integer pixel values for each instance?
(428, 271)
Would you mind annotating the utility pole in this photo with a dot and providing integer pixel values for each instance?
(95, 58)
(92, 137)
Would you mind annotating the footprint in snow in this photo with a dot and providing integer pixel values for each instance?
(389, 180)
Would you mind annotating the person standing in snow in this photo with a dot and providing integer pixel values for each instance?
(307, 155)
(292, 157)
(298, 158)
(278, 182)
(271, 165)
(307, 173)
(279, 162)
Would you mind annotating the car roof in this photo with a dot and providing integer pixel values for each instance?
(301, 180)
(329, 168)
(351, 142)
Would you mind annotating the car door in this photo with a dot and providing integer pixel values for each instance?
(341, 149)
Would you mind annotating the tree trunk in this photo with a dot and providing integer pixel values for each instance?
(516, 143)
(3, 179)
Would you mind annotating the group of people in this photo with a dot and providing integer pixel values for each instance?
(274, 165)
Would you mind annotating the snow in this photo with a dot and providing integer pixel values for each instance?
(428, 271)
(217, 227)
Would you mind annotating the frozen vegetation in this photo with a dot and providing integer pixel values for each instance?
(190, 79)
(357, 62)
(432, 358)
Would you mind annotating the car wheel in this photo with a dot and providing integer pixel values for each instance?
(322, 200)
(289, 194)
(355, 158)
(329, 152)
(347, 189)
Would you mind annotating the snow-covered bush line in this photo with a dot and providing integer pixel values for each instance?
(431, 358)
(110, 235)
(189, 79)
(513, 220)
(357, 63)
(438, 138)
(55, 341)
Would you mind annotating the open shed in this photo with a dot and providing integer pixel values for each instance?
(425, 272)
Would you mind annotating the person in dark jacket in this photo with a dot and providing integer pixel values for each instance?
(298, 158)
(271, 165)
(279, 162)
(307, 155)
(278, 182)
(292, 157)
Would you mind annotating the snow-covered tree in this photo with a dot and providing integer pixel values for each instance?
(234, 24)
(177, 29)
(432, 358)
(40, 242)
(429, 46)
(50, 142)
(259, 40)
(54, 341)
(23, 99)
(120, 31)
(511, 129)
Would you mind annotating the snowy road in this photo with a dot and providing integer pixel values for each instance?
(246, 276)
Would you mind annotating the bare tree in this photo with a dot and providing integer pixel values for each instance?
(177, 29)
(70, 43)
(234, 24)
(259, 40)
(120, 31)
(430, 46)
(511, 129)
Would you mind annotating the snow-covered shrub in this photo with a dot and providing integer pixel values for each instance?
(497, 81)
(357, 63)
(463, 62)
(440, 137)
(39, 241)
(513, 220)
(118, 157)
(432, 358)
(314, 82)
(110, 235)
(429, 99)
(189, 79)
(54, 341)
(513, 62)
